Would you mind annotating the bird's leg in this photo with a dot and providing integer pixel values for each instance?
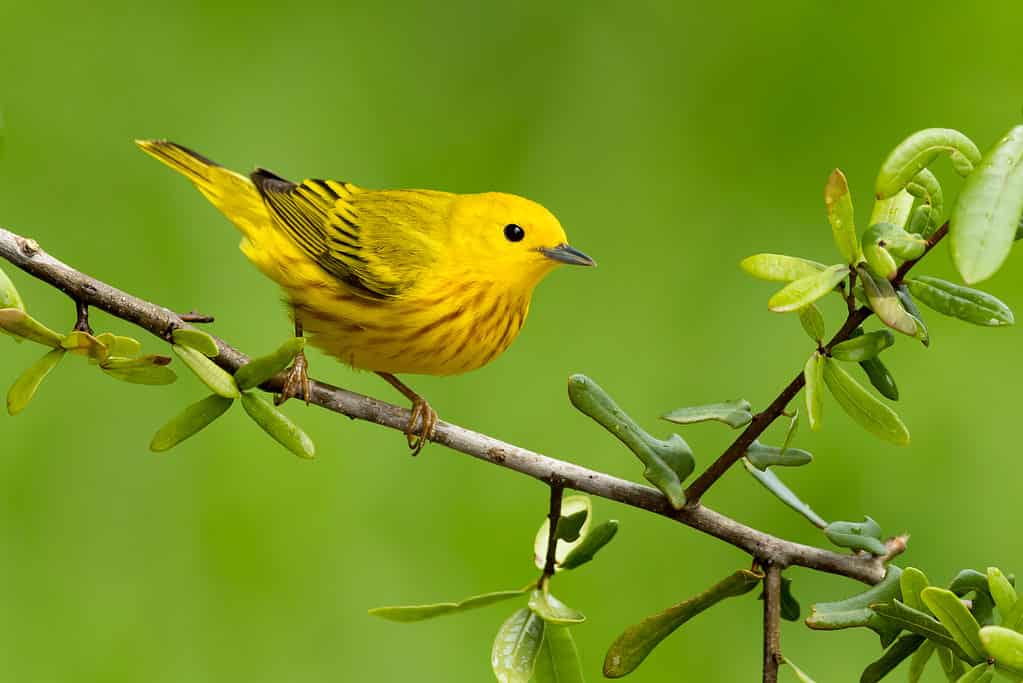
(297, 378)
(421, 412)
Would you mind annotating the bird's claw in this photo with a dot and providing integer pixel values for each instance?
(296, 382)
(427, 418)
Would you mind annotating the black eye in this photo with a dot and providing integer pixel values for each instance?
(514, 233)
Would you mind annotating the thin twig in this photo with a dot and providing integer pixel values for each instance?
(196, 318)
(772, 622)
(763, 420)
(160, 321)
(553, 518)
(82, 317)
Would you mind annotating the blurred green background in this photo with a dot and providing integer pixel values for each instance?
(671, 140)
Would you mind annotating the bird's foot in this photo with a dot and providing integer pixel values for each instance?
(296, 382)
(426, 416)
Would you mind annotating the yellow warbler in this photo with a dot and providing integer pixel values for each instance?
(393, 281)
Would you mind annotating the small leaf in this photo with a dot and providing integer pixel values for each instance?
(84, 344)
(558, 661)
(279, 426)
(840, 215)
(571, 506)
(812, 321)
(259, 370)
(517, 646)
(780, 268)
(25, 387)
(951, 664)
(884, 302)
(595, 539)
(790, 431)
(667, 463)
(917, 622)
(985, 217)
(864, 535)
(813, 374)
(789, 606)
(21, 324)
(150, 370)
(919, 661)
(9, 297)
(864, 347)
(762, 456)
(412, 613)
(971, 305)
(196, 339)
(899, 652)
(856, 611)
(916, 153)
(926, 187)
(569, 526)
(912, 583)
(552, 610)
(982, 673)
(122, 347)
(804, 291)
(1001, 590)
(189, 422)
(880, 378)
(1006, 646)
(894, 210)
(800, 674)
(952, 613)
(735, 414)
(772, 483)
(211, 374)
(862, 407)
(630, 648)
(902, 291)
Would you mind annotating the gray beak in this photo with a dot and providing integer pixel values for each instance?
(566, 254)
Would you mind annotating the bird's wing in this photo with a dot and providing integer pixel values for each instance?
(373, 241)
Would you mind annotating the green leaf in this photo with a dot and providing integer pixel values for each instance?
(804, 291)
(196, 339)
(800, 674)
(884, 302)
(1001, 590)
(951, 664)
(630, 648)
(552, 610)
(880, 260)
(897, 613)
(856, 611)
(789, 607)
(189, 422)
(278, 425)
(667, 463)
(592, 542)
(902, 291)
(9, 297)
(864, 535)
(982, 673)
(150, 370)
(211, 374)
(919, 661)
(772, 483)
(862, 407)
(916, 153)
(899, 652)
(912, 583)
(971, 305)
(985, 217)
(813, 375)
(812, 321)
(571, 506)
(569, 526)
(780, 268)
(840, 215)
(558, 661)
(25, 387)
(880, 378)
(735, 414)
(762, 456)
(410, 613)
(926, 187)
(259, 370)
(122, 347)
(517, 647)
(21, 324)
(1006, 646)
(1014, 618)
(894, 210)
(952, 613)
(86, 345)
(864, 347)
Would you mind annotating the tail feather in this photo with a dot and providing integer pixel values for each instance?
(183, 160)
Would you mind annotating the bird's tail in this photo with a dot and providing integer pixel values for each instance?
(232, 193)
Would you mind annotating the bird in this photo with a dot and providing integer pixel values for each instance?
(390, 281)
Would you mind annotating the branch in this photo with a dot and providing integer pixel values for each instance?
(772, 622)
(763, 420)
(160, 321)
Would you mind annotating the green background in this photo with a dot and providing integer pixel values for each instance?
(670, 140)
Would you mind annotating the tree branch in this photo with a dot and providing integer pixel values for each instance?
(763, 420)
(26, 254)
(772, 622)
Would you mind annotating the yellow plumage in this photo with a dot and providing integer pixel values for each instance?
(394, 281)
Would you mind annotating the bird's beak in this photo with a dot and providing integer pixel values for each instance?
(566, 254)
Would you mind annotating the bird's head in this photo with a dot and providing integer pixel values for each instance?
(510, 238)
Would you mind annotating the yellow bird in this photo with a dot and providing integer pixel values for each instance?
(393, 281)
